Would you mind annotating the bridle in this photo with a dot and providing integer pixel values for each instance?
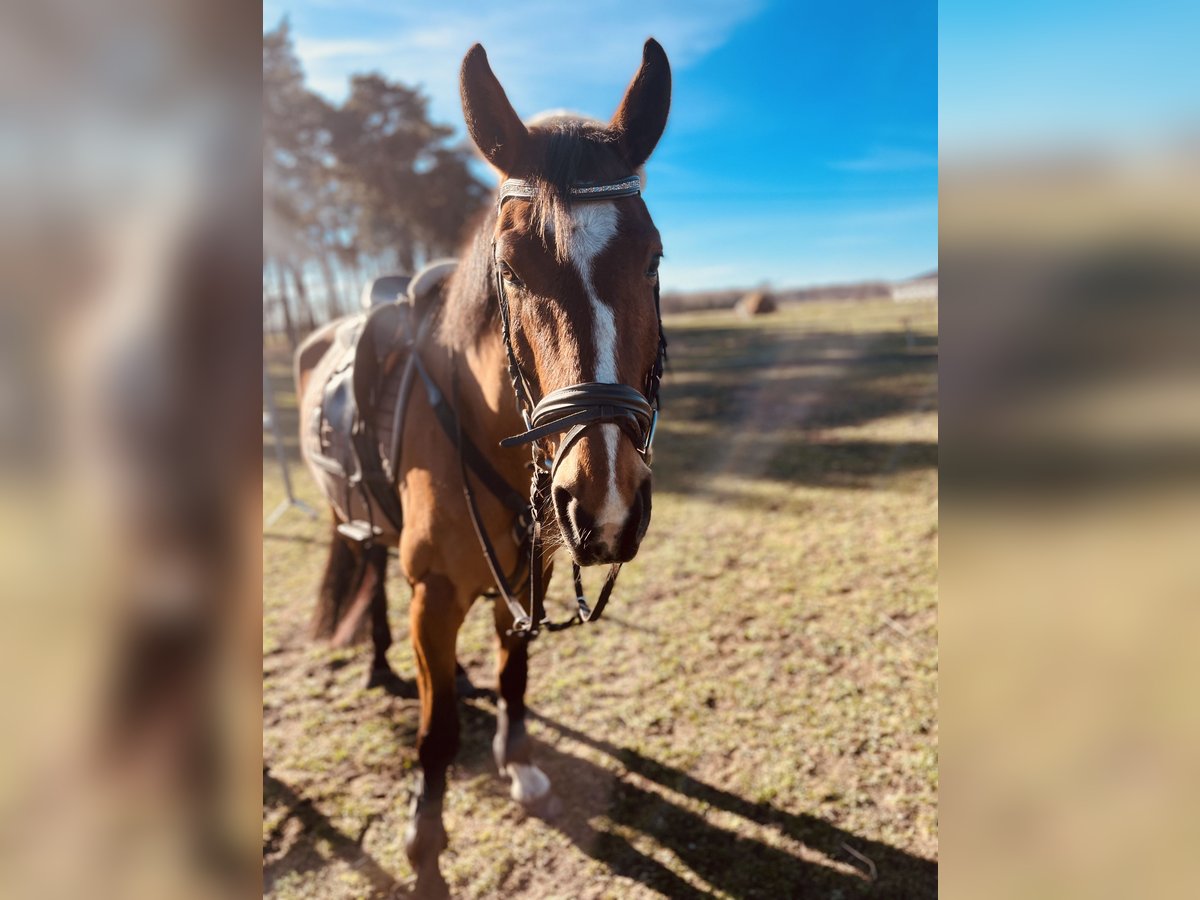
(570, 410)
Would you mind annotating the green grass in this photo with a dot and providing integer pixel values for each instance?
(757, 713)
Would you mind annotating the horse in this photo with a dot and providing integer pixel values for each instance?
(553, 305)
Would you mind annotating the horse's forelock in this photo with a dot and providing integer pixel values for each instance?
(568, 149)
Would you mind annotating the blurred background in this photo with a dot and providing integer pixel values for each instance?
(129, 448)
(1070, 206)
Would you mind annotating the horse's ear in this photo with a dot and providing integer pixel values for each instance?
(642, 116)
(491, 121)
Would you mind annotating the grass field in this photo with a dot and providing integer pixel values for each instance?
(756, 715)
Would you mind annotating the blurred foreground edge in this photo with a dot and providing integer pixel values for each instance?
(130, 565)
(1071, 519)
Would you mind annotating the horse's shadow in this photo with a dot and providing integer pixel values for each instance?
(716, 857)
(301, 859)
(722, 859)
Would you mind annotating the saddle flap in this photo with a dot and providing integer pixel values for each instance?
(362, 407)
(386, 334)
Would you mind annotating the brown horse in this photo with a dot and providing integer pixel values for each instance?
(556, 292)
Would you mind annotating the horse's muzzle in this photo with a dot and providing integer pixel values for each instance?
(591, 544)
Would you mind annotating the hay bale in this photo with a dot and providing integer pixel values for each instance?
(756, 303)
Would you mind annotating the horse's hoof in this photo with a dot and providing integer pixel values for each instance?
(424, 840)
(547, 807)
(531, 788)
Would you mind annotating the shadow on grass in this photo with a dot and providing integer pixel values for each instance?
(752, 404)
(302, 856)
(746, 401)
(724, 860)
(737, 865)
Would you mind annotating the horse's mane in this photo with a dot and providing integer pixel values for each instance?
(471, 303)
(565, 149)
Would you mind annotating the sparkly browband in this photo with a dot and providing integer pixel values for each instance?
(625, 187)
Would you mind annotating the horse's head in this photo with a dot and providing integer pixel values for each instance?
(579, 280)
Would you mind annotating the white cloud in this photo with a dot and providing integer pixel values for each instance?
(546, 53)
(317, 49)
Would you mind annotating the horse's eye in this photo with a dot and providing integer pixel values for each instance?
(507, 273)
(652, 272)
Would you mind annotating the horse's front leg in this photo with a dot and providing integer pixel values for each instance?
(511, 745)
(436, 614)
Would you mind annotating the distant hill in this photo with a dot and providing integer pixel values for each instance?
(687, 301)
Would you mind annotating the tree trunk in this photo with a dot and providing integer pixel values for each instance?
(347, 278)
(360, 279)
(332, 302)
(289, 325)
(305, 312)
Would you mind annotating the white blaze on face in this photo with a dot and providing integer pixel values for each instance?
(593, 226)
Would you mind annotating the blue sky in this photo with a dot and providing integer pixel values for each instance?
(1029, 77)
(802, 147)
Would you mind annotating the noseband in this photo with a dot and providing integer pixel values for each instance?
(575, 408)
(571, 410)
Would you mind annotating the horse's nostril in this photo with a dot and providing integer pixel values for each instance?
(638, 521)
(644, 495)
(584, 524)
(562, 504)
(571, 515)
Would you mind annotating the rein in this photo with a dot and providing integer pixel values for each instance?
(572, 409)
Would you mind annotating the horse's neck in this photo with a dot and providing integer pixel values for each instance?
(485, 392)
(480, 369)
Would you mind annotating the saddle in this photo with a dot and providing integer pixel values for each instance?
(356, 433)
(384, 290)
